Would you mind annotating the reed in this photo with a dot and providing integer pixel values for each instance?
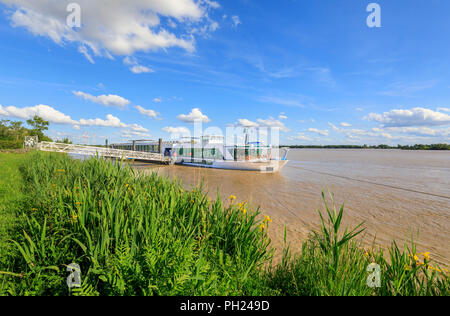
(138, 234)
(131, 235)
(334, 263)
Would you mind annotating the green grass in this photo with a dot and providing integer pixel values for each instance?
(144, 235)
(11, 196)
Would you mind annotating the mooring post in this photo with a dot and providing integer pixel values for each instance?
(134, 145)
(106, 143)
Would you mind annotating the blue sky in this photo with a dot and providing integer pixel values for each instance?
(312, 68)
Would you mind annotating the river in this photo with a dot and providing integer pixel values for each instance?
(398, 194)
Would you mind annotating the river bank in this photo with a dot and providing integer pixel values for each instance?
(148, 235)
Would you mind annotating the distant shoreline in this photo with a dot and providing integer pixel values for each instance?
(401, 147)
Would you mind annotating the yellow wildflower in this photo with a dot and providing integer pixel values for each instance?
(74, 218)
(261, 227)
(232, 197)
(426, 255)
(78, 203)
(267, 219)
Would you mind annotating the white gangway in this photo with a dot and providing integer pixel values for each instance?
(104, 152)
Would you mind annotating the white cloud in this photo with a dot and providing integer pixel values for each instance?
(114, 27)
(149, 113)
(137, 128)
(140, 69)
(236, 20)
(421, 131)
(443, 109)
(46, 112)
(246, 123)
(318, 131)
(135, 67)
(300, 136)
(212, 4)
(282, 117)
(111, 121)
(334, 127)
(107, 100)
(343, 124)
(132, 134)
(196, 115)
(413, 117)
(177, 132)
(273, 123)
(82, 49)
(261, 123)
(157, 100)
(54, 116)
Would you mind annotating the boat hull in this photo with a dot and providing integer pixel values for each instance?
(260, 166)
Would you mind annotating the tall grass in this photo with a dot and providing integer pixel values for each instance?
(131, 235)
(143, 235)
(334, 263)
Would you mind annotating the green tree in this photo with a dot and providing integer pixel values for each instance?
(39, 125)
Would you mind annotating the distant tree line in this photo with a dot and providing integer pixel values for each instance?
(12, 133)
(382, 146)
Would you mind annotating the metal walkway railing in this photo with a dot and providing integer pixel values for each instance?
(103, 152)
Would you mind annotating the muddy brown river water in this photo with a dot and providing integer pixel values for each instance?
(398, 194)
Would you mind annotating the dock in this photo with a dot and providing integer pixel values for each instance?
(104, 152)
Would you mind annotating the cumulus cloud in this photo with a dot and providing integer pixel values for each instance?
(196, 115)
(420, 131)
(46, 112)
(140, 69)
(113, 27)
(111, 121)
(318, 131)
(263, 123)
(273, 123)
(133, 134)
(175, 129)
(149, 113)
(246, 123)
(413, 117)
(107, 100)
(54, 116)
(177, 132)
(344, 124)
(135, 67)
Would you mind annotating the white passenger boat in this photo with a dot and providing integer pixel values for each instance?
(211, 152)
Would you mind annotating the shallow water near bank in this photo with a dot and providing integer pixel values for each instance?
(398, 194)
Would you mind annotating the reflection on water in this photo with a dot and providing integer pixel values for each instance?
(399, 194)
